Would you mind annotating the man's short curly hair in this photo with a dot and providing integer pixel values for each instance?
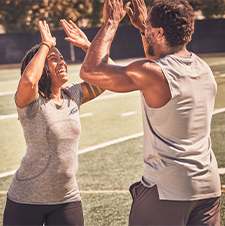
(176, 17)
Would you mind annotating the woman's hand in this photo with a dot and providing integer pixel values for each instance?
(75, 35)
(46, 34)
(139, 15)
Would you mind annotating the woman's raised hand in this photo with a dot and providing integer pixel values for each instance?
(46, 34)
(75, 35)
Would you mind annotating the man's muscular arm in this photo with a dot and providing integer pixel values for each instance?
(140, 75)
(95, 67)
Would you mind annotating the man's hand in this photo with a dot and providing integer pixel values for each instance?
(139, 15)
(75, 35)
(46, 34)
(113, 11)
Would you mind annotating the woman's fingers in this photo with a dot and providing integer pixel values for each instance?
(73, 24)
(46, 34)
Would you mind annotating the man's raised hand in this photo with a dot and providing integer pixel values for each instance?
(139, 15)
(113, 11)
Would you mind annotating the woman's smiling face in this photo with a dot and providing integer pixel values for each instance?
(57, 67)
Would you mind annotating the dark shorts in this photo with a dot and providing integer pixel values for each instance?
(147, 209)
(24, 214)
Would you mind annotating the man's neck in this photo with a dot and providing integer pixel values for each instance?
(180, 50)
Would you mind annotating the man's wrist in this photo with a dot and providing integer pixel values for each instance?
(110, 28)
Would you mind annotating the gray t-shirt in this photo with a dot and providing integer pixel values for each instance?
(177, 145)
(47, 174)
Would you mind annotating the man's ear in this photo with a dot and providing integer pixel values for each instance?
(160, 33)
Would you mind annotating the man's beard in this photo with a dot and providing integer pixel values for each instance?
(150, 50)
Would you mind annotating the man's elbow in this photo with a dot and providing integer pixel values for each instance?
(84, 72)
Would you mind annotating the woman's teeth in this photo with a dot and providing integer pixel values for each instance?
(61, 70)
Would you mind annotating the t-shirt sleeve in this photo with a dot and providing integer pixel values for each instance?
(29, 110)
(76, 92)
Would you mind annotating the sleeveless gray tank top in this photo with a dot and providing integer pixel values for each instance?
(177, 145)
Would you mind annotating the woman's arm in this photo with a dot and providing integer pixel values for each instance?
(28, 85)
(79, 39)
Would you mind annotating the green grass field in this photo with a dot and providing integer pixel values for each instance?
(104, 174)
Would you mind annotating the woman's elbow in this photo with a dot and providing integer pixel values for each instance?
(28, 82)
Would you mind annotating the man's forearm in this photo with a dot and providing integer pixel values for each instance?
(98, 52)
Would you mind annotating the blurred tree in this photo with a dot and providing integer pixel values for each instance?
(209, 8)
(23, 15)
(19, 15)
(96, 16)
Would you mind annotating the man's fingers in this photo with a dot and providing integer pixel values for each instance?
(138, 3)
(128, 10)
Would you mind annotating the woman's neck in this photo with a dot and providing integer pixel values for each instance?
(56, 96)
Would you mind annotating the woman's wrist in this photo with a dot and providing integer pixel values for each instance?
(86, 47)
(142, 33)
(46, 44)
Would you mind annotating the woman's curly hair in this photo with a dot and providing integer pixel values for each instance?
(176, 17)
(44, 84)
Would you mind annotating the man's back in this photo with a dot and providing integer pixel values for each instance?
(177, 136)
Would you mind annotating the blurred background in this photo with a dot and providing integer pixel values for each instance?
(103, 174)
(19, 27)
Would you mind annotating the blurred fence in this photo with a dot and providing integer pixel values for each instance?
(209, 37)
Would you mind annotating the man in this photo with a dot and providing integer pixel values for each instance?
(180, 184)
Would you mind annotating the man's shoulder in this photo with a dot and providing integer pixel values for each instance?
(145, 64)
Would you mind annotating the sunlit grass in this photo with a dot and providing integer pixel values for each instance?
(112, 168)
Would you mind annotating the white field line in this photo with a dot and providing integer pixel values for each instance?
(16, 116)
(221, 170)
(7, 173)
(82, 115)
(4, 192)
(8, 116)
(92, 148)
(220, 76)
(7, 93)
(104, 191)
(9, 81)
(98, 98)
(86, 115)
(217, 111)
(114, 95)
(216, 63)
(128, 113)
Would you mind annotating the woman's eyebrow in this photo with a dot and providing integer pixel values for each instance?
(52, 54)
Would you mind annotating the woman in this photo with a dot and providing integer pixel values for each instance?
(44, 189)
